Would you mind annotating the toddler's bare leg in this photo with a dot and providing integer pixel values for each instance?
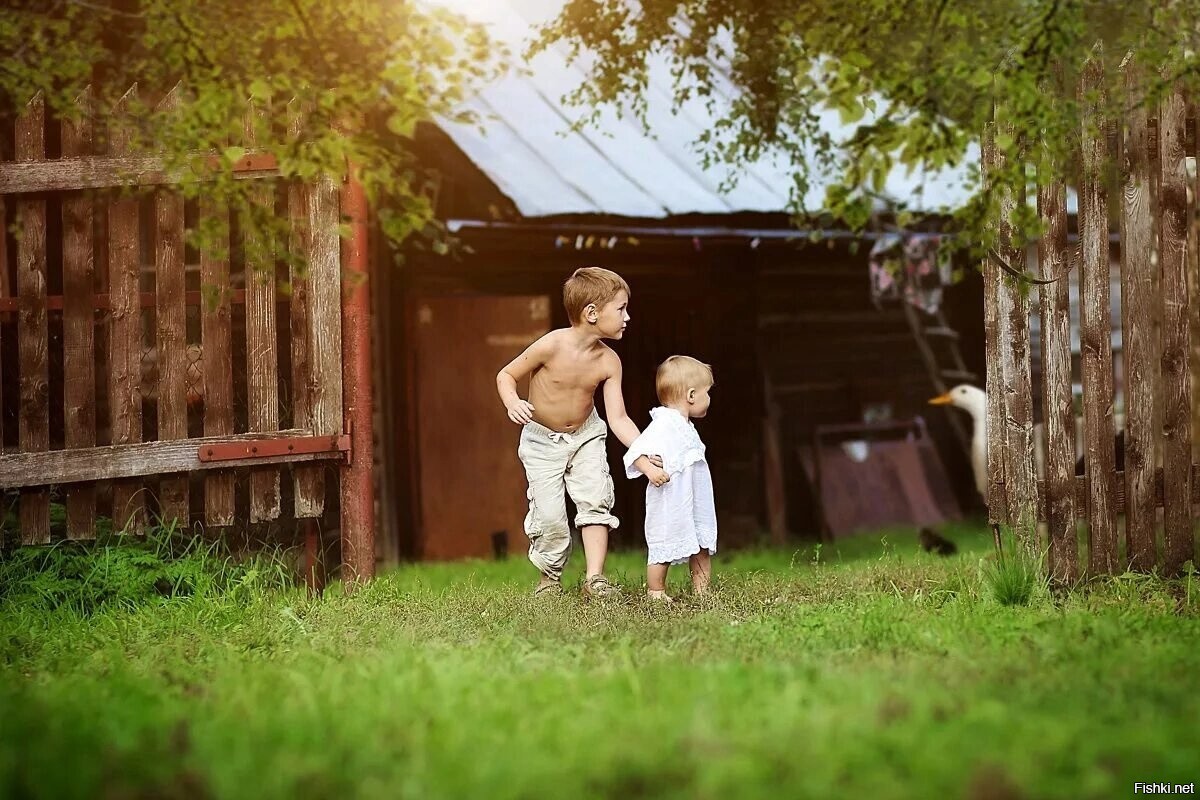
(701, 565)
(656, 579)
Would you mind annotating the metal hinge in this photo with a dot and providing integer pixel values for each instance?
(243, 449)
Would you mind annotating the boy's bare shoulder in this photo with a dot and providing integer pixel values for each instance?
(610, 359)
(548, 341)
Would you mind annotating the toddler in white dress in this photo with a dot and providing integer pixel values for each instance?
(681, 518)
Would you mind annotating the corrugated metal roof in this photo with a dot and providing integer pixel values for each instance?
(524, 145)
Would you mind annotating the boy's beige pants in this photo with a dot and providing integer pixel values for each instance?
(556, 463)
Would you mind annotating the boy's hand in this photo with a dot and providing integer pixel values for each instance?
(520, 412)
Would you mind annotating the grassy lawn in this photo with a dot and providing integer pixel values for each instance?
(869, 670)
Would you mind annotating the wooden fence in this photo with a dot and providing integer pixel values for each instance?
(1158, 250)
(139, 377)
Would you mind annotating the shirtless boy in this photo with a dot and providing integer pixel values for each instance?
(562, 443)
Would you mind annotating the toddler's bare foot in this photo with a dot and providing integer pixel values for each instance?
(660, 595)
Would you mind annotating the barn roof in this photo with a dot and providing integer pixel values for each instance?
(522, 142)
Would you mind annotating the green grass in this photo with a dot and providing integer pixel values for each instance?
(865, 670)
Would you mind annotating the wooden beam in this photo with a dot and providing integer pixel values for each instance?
(106, 172)
(102, 301)
(135, 460)
(1080, 489)
(832, 318)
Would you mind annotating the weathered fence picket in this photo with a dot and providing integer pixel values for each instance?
(125, 324)
(1178, 534)
(1058, 410)
(32, 323)
(171, 316)
(262, 362)
(216, 341)
(79, 319)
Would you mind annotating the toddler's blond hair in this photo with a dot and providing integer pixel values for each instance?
(678, 374)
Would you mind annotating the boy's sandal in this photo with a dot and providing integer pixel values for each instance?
(599, 586)
(547, 589)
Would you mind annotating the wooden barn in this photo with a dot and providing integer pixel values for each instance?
(785, 316)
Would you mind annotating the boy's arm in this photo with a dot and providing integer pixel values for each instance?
(618, 418)
(614, 406)
(534, 356)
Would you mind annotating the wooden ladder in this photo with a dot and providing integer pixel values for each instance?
(941, 375)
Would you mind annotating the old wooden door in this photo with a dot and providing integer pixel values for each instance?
(472, 487)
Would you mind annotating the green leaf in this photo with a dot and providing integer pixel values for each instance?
(260, 89)
(851, 111)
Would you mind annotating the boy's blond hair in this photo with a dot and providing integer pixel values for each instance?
(678, 374)
(590, 285)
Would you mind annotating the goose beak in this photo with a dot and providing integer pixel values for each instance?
(941, 400)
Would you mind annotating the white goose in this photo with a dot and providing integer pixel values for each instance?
(973, 400)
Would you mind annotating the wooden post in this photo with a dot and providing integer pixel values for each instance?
(1058, 410)
(1178, 537)
(32, 329)
(1095, 326)
(357, 480)
(776, 494)
(79, 355)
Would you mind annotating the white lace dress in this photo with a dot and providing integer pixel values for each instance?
(681, 517)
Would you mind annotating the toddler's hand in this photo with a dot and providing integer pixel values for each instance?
(521, 412)
(657, 477)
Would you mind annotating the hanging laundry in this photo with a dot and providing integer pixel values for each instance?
(911, 267)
